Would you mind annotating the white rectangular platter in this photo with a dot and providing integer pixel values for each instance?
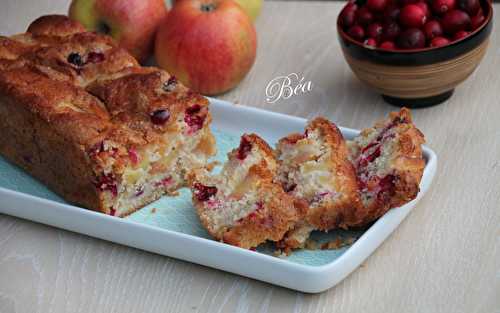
(308, 271)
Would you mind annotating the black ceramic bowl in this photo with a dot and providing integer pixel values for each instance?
(419, 77)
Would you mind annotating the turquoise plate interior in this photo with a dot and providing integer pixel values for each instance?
(177, 213)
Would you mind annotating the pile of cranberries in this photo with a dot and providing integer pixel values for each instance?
(410, 24)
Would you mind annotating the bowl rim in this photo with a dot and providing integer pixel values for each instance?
(346, 37)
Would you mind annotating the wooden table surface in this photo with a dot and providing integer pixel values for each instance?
(445, 257)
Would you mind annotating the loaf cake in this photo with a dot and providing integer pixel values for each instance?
(243, 205)
(315, 169)
(389, 164)
(80, 114)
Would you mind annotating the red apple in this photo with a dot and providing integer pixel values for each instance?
(132, 23)
(209, 45)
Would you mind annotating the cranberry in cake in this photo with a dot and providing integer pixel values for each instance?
(242, 205)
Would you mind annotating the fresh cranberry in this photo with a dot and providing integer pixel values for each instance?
(75, 59)
(203, 193)
(244, 148)
(370, 42)
(170, 84)
(194, 121)
(455, 21)
(412, 38)
(348, 15)
(160, 117)
(469, 6)
(134, 157)
(477, 21)
(388, 45)
(405, 2)
(376, 5)
(412, 16)
(374, 30)
(460, 34)
(391, 31)
(440, 7)
(392, 14)
(480, 11)
(364, 17)
(95, 57)
(439, 42)
(432, 29)
(424, 8)
(356, 32)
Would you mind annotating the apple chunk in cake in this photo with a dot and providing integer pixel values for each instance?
(314, 168)
(389, 164)
(242, 205)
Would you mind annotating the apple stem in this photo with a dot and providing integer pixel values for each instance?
(207, 7)
(103, 28)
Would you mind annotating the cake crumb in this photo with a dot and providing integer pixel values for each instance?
(153, 210)
(338, 243)
(311, 244)
(280, 253)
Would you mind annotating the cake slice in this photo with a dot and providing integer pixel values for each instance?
(315, 169)
(242, 205)
(168, 115)
(389, 164)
